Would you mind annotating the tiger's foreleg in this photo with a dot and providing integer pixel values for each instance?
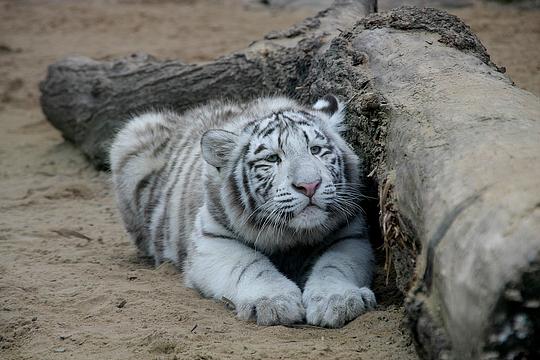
(220, 266)
(337, 288)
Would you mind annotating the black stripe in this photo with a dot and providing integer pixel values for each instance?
(131, 154)
(269, 128)
(326, 153)
(286, 201)
(233, 185)
(217, 212)
(153, 199)
(237, 196)
(340, 168)
(308, 115)
(155, 192)
(195, 172)
(318, 135)
(165, 198)
(259, 149)
(151, 203)
(304, 123)
(158, 238)
(285, 208)
(261, 273)
(258, 166)
(139, 188)
(192, 171)
(243, 180)
(269, 186)
(247, 190)
(245, 268)
(218, 236)
(157, 196)
(269, 131)
(159, 149)
(306, 137)
(255, 129)
(146, 144)
(334, 268)
(255, 122)
(291, 122)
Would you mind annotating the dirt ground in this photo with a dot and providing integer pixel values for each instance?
(71, 285)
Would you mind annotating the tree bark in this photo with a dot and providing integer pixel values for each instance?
(462, 154)
(453, 145)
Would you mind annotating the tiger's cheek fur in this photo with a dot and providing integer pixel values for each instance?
(263, 178)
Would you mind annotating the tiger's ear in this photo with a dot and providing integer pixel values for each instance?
(217, 146)
(334, 108)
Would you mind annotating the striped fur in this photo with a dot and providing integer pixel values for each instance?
(257, 202)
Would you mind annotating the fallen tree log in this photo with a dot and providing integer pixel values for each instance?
(453, 145)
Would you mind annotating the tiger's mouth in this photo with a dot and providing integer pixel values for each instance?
(311, 210)
(314, 205)
(311, 206)
(311, 216)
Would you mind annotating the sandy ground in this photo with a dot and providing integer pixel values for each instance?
(71, 285)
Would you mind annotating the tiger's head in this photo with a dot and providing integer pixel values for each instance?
(283, 168)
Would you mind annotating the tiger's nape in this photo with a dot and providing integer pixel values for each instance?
(258, 202)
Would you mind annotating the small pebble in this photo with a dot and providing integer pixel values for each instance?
(121, 304)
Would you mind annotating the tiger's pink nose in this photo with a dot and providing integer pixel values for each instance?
(307, 189)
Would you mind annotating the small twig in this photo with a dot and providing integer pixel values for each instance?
(71, 233)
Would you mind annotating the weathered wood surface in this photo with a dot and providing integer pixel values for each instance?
(452, 143)
(463, 146)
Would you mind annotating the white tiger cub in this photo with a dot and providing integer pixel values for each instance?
(258, 204)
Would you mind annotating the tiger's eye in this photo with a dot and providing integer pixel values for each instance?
(315, 150)
(272, 158)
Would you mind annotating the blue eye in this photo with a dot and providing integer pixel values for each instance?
(315, 150)
(272, 158)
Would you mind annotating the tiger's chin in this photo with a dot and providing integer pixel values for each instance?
(310, 217)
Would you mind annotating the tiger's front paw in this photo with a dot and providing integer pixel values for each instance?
(335, 306)
(274, 309)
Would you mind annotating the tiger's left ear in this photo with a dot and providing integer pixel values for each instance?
(217, 146)
(334, 108)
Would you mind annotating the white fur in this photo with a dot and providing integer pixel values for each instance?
(337, 289)
(234, 261)
(216, 267)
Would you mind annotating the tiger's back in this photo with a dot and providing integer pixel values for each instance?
(156, 168)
